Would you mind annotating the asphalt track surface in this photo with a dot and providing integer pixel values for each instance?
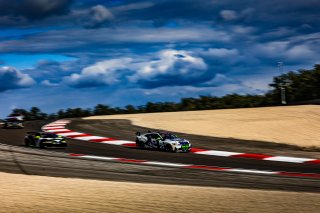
(55, 162)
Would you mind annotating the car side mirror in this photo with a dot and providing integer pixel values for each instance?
(138, 133)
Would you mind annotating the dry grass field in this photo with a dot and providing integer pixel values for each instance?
(22, 193)
(295, 125)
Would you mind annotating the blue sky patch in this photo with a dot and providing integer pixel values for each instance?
(27, 61)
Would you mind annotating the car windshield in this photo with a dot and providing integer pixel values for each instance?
(50, 135)
(170, 136)
(154, 136)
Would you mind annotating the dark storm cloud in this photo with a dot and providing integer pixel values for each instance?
(12, 78)
(34, 9)
(78, 40)
(263, 14)
(54, 71)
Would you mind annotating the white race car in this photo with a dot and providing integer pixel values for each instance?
(162, 141)
(12, 122)
(17, 116)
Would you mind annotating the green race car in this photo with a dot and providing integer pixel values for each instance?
(45, 140)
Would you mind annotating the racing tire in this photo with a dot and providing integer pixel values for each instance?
(140, 145)
(168, 148)
(27, 143)
(158, 146)
(41, 145)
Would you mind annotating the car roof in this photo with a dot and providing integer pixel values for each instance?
(151, 133)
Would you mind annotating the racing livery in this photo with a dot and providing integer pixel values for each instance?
(162, 141)
(44, 140)
(12, 122)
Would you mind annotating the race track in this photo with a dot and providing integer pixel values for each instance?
(58, 163)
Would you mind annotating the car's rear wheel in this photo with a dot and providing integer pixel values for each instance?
(27, 142)
(140, 144)
(169, 148)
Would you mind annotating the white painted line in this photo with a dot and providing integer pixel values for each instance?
(288, 159)
(156, 163)
(98, 157)
(252, 171)
(70, 133)
(217, 153)
(57, 130)
(118, 142)
(166, 164)
(58, 124)
(54, 127)
(87, 138)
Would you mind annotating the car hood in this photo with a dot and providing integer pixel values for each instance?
(54, 139)
(177, 140)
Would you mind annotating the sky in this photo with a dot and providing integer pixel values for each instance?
(65, 54)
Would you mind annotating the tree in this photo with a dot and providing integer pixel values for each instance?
(101, 109)
(130, 109)
(300, 86)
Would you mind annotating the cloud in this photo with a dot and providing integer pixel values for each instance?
(167, 67)
(100, 74)
(220, 80)
(229, 15)
(34, 9)
(296, 52)
(49, 84)
(133, 6)
(12, 78)
(221, 52)
(98, 16)
(173, 67)
(93, 39)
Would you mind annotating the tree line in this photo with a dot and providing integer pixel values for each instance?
(301, 86)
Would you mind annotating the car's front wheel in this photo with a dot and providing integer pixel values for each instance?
(41, 145)
(168, 148)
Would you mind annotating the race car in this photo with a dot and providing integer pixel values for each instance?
(12, 122)
(162, 141)
(16, 116)
(44, 140)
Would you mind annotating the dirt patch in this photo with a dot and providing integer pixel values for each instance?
(294, 125)
(48, 194)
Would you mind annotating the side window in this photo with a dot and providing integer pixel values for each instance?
(147, 135)
(155, 136)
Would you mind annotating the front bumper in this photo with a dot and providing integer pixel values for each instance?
(54, 144)
(184, 147)
(13, 125)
